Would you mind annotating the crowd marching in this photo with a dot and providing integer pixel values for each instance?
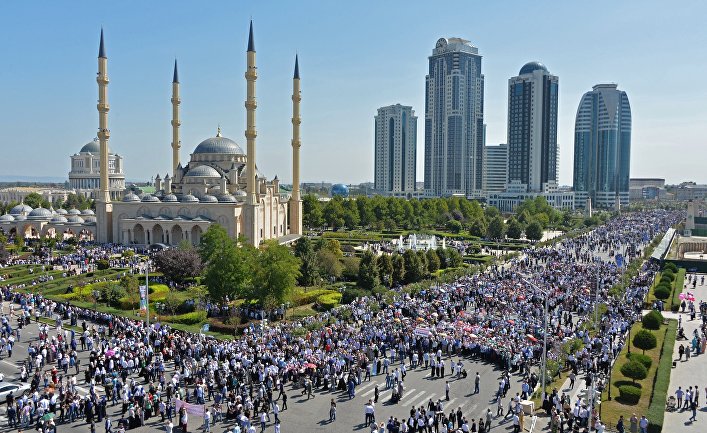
(159, 374)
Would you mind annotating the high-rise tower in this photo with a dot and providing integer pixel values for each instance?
(176, 143)
(532, 128)
(395, 150)
(454, 120)
(103, 204)
(602, 147)
(295, 205)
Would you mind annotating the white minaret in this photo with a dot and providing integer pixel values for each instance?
(104, 208)
(295, 204)
(176, 143)
(252, 211)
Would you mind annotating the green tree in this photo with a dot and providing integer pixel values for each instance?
(334, 213)
(497, 228)
(34, 200)
(365, 211)
(398, 275)
(433, 263)
(351, 217)
(228, 267)
(309, 270)
(131, 285)
(275, 274)
(644, 340)
(534, 231)
(414, 268)
(515, 229)
(312, 212)
(385, 269)
(454, 259)
(329, 264)
(368, 271)
(454, 226)
(179, 264)
(478, 227)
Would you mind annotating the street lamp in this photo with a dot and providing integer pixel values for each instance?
(545, 314)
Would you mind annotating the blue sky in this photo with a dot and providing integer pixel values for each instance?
(354, 57)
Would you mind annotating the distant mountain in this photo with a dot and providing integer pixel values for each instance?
(38, 179)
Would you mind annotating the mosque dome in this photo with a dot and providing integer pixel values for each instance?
(226, 198)
(20, 209)
(208, 199)
(74, 212)
(219, 144)
(90, 219)
(20, 218)
(149, 198)
(59, 219)
(61, 211)
(130, 197)
(240, 194)
(530, 67)
(40, 213)
(170, 198)
(189, 199)
(75, 219)
(203, 171)
(7, 217)
(87, 212)
(91, 147)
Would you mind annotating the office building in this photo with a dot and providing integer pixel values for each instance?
(495, 168)
(532, 127)
(454, 119)
(602, 147)
(395, 150)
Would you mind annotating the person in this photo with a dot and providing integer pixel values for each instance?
(681, 352)
(332, 411)
(284, 401)
(679, 394)
(487, 425)
(108, 424)
(643, 424)
(693, 407)
(207, 420)
(516, 423)
(620, 425)
(446, 390)
(168, 428)
(477, 382)
(633, 424)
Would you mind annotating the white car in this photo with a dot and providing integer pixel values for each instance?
(17, 390)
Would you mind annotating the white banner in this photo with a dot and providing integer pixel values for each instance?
(424, 332)
(192, 409)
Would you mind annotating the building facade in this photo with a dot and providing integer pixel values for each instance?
(395, 151)
(533, 155)
(454, 120)
(18, 194)
(495, 168)
(602, 147)
(516, 193)
(85, 174)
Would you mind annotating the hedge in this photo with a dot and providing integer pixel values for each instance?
(329, 301)
(189, 318)
(643, 359)
(630, 394)
(661, 380)
(300, 298)
(679, 283)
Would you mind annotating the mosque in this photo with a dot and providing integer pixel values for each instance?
(220, 184)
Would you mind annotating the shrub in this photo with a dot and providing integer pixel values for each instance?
(216, 325)
(350, 294)
(666, 280)
(634, 370)
(643, 359)
(125, 303)
(662, 292)
(102, 264)
(670, 266)
(189, 318)
(644, 340)
(652, 320)
(300, 298)
(329, 301)
(112, 293)
(630, 394)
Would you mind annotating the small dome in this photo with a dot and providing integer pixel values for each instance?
(59, 219)
(40, 213)
(87, 212)
(530, 67)
(75, 219)
(226, 198)
(7, 217)
(91, 147)
(149, 198)
(20, 218)
(130, 197)
(189, 199)
(218, 144)
(203, 171)
(90, 219)
(170, 198)
(20, 209)
(74, 212)
(240, 193)
(208, 199)
(61, 211)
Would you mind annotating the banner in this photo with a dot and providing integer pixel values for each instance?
(619, 260)
(143, 298)
(192, 409)
(422, 332)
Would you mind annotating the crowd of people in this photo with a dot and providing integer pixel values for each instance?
(161, 373)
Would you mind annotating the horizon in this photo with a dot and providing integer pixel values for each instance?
(348, 72)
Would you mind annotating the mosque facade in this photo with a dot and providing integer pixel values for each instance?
(220, 184)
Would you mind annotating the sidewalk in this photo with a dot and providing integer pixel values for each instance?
(688, 373)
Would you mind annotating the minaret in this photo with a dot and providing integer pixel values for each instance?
(176, 144)
(295, 204)
(251, 74)
(103, 132)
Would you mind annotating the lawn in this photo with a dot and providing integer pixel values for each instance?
(653, 383)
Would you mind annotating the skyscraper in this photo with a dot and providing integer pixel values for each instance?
(602, 147)
(395, 150)
(532, 128)
(495, 168)
(454, 120)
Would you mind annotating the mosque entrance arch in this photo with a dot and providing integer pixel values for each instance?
(196, 235)
(139, 234)
(176, 235)
(158, 234)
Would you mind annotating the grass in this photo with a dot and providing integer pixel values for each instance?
(661, 380)
(613, 409)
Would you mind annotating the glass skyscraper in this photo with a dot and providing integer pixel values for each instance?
(454, 120)
(532, 128)
(602, 147)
